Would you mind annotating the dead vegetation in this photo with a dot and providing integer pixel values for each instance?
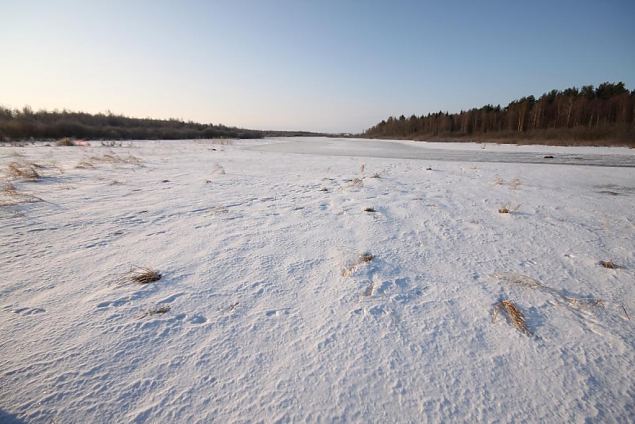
(370, 210)
(514, 183)
(85, 164)
(609, 264)
(157, 310)
(23, 170)
(354, 265)
(109, 158)
(223, 141)
(144, 275)
(13, 197)
(218, 169)
(65, 142)
(370, 289)
(508, 209)
(562, 298)
(111, 144)
(513, 315)
(357, 183)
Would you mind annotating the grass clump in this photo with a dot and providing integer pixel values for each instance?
(353, 266)
(65, 142)
(157, 310)
(365, 258)
(143, 275)
(23, 170)
(513, 315)
(13, 197)
(609, 264)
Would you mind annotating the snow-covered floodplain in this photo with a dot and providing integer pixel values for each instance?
(322, 287)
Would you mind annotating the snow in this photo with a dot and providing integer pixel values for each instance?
(273, 315)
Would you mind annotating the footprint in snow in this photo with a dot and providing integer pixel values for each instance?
(28, 311)
(198, 319)
(115, 303)
(171, 298)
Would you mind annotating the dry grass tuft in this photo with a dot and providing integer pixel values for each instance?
(113, 158)
(65, 142)
(366, 257)
(583, 302)
(363, 259)
(9, 189)
(157, 310)
(217, 169)
(513, 315)
(23, 170)
(357, 182)
(85, 164)
(111, 144)
(14, 197)
(503, 210)
(609, 264)
(575, 302)
(143, 275)
(370, 289)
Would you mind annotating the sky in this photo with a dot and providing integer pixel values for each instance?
(332, 66)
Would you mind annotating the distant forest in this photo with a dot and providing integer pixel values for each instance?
(590, 115)
(41, 125)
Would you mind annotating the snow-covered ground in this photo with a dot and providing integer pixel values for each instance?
(276, 315)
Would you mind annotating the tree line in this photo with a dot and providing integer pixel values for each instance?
(589, 115)
(21, 124)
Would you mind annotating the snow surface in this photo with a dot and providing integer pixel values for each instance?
(273, 316)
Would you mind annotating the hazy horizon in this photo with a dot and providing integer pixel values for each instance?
(328, 67)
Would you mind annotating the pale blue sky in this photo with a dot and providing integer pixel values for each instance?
(320, 65)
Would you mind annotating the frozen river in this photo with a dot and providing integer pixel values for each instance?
(455, 152)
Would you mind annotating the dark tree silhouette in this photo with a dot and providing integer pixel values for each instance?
(602, 115)
(27, 124)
